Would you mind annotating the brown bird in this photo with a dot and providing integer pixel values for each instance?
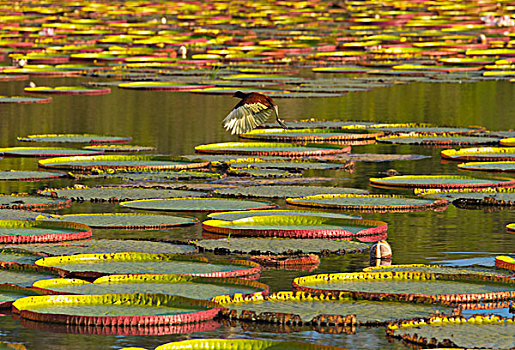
(253, 110)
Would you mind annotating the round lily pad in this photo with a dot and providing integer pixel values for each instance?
(97, 265)
(480, 154)
(116, 193)
(278, 246)
(24, 275)
(32, 202)
(166, 176)
(45, 152)
(19, 255)
(15, 214)
(250, 344)
(9, 293)
(162, 86)
(368, 202)
(126, 162)
(262, 173)
(489, 166)
(306, 309)
(24, 100)
(127, 309)
(467, 197)
(97, 246)
(278, 191)
(295, 226)
(294, 165)
(67, 90)
(197, 204)
(205, 288)
(509, 141)
(235, 215)
(270, 148)
(120, 148)
(75, 138)
(439, 181)
(505, 262)
(510, 228)
(30, 231)
(29, 175)
(311, 135)
(439, 140)
(476, 332)
(411, 286)
(436, 269)
(128, 221)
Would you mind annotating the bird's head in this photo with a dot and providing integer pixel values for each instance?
(239, 94)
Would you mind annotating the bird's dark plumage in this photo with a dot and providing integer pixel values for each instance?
(253, 110)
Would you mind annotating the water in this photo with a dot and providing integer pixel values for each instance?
(177, 122)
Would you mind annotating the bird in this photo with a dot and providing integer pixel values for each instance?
(253, 110)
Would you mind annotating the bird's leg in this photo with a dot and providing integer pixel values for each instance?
(281, 122)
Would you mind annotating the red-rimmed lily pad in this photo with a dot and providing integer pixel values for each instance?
(505, 262)
(205, 288)
(469, 197)
(306, 309)
(128, 309)
(31, 231)
(421, 287)
(368, 202)
(510, 142)
(250, 344)
(197, 204)
(116, 193)
(98, 265)
(439, 140)
(24, 275)
(510, 228)
(236, 215)
(75, 138)
(126, 162)
(9, 293)
(476, 332)
(480, 154)
(24, 99)
(489, 166)
(46, 152)
(120, 148)
(440, 181)
(277, 246)
(309, 135)
(295, 226)
(271, 149)
(29, 175)
(128, 221)
(32, 202)
(67, 90)
(293, 165)
(436, 269)
(284, 191)
(162, 86)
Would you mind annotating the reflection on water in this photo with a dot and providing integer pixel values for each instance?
(177, 122)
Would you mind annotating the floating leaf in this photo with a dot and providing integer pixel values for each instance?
(236, 215)
(480, 154)
(9, 293)
(75, 138)
(488, 166)
(128, 221)
(67, 90)
(278, 191)
(440, 181)
(29, 175)
(505, 262)
(270, 148)
(310, 135)
(285, 165)
(197, 204)
(436, 269)
(13, 214)
(31, 202)
(45, 152)
(120, 148)
(24, 275)
(438, 140)
(250, 344)
(23, 99)
(31, 231)
(469, 197)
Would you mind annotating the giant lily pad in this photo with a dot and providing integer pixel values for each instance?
(510, 227)
(162, 86)
(411, 286)
(128, 221)
(489, 166)
(307, 309)
(24, 275)
(294, 165)
(278, 246)
(67, 90)
(311, 135)
(439, 140)
(368, 202)
(509, 141)
(197, 204)
(505, 262)
(205, 288)
(476, 332)
(97, 265)
(126, 162)
(235, 215)
(467, 197)
(45, 152)
(116, 193)
(75, 138)
(30, 231)
(94, 246)
(29, 175)
(31, 202)
(111, 309)
(120, 148)
(270, 148)
(277, 191)
(295, 226)
(436, 269)
(10, 293)
(24, 100)
(15, 214)
(250, 344)
(439, 181)
(480, 154)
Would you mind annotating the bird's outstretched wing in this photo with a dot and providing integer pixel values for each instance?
(246, 117)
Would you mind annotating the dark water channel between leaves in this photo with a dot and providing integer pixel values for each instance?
(176, 122)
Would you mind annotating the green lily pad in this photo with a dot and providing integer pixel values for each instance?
(437, 269)
(295, 226)
(311, 135)
(24, 100)
(45, 152)
(489, 196)
(205, 288)
(439, 140)
(480, 154)
(24, 275)
(439, 181)
(270, 148)
(278, 191)
(262, 173)
(120, 148)
(128, 221)
(31, 231)
(250, 344)
(236, 215)
(116, 193)
(31, 202)
(15, 214)
(97, 265)
(75, 138)
(29, 175)
(19, 255)
(167, 176)
(10, 293)
(488, 166)
(278, 246)
(368, 202)
(295, 165)
(197, 204)
(67, 90)
(162, 86)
